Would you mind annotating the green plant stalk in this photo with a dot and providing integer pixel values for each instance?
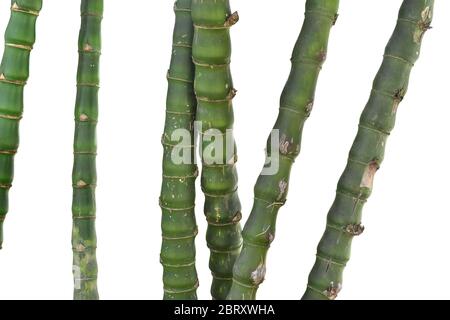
(295, 107)
(20, 36)
(84, 175)
(214, 90)
(367, 152)
(177, 200)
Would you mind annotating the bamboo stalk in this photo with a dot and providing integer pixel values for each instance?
(84, 175)
(20, 36)
(367, 153)
(296, 105)
(177, 200)
(214, 91)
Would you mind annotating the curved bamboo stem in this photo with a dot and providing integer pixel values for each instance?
(271, 188)
(367, 152)
(14, 71)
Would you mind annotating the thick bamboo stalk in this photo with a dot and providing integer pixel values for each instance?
(177, 200)
(84, 175)
(14, 71)
(367, 152)
(295, 107)
(214, 91)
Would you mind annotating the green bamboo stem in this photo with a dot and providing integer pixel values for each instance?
(214, 91)
(84, 176)
(14, 71)
(295, 107)
(179, 227)
(367, 152)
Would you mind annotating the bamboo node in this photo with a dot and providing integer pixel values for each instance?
(244, 284)
(399, 58)
(91, 14)
(326, 14)
(169, 77)
(10, 117)
(16, 8)
(181, 265)
(171, 291)
(215, 277)
(163, 206)
(19, 46)
(8, 152)
(84, 217)
(15, 82)
(176, 9)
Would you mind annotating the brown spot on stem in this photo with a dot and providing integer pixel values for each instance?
(87, 48)
(322, 56)
(332, 291)
(81, 184)
(15, 6)
(398, 97)
(80, 247)
(232, 19)
(282, 186)
(84, 117)
(309, 108)
(258, 275)
(354, 229)
(284, 145)
(369, 175)
(232, 94)
(2, 77)
(336, 16)
(237, 217)
(424, 24)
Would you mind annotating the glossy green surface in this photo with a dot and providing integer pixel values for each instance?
(295, 106)
(214, 89)
(14, 70)
(84, 175)
(367, 152)
(179, 227)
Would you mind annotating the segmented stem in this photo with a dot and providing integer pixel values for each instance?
(272, 185)
(367, 152)
(14, 71)
(214, 91)
(179, 227)
(84, 175)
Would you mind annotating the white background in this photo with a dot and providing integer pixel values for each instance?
(404, 251)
